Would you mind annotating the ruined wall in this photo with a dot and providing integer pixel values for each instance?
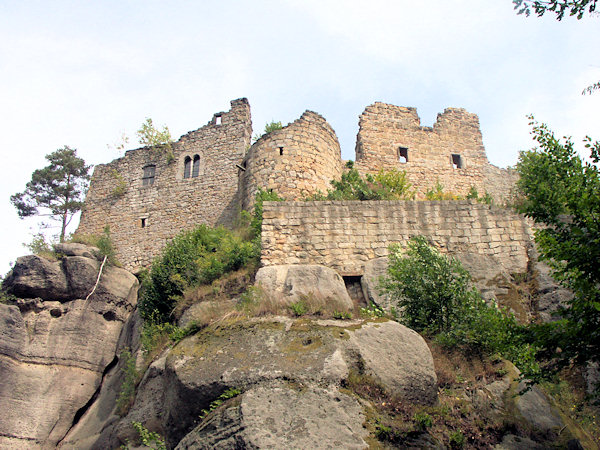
(344, 235)
(295, 161)
(146, 217)
(392, 137)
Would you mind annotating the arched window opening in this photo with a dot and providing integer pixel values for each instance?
(196, 168)
(187, 167)
(148, 177)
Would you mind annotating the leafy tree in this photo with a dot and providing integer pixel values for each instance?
(561, 193)
(55, 191)
(560, 7)
(272, 126)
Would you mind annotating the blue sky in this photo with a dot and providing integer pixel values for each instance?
(83, 73)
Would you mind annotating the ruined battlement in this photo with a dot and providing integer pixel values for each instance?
(150, 194)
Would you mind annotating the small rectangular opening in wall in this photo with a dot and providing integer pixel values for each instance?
(457, 161)
(143, 223)
(218, 120)
(403, 155)
(280, 151)
(354, 288)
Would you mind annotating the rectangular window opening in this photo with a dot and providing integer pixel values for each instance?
(280, 151)
(148, 176)
(218, 120)
(403, 155)
(456, 161)
(143, 224)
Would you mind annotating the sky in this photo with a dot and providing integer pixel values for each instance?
(83, 74)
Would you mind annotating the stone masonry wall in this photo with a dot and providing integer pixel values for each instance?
(345, 235)
(386, 129)
(295, 161)
(146, 217)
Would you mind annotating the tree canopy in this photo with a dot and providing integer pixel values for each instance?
(57, 190)
(561, 193)
(577, 8)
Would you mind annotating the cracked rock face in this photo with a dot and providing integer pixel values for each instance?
(55, 345)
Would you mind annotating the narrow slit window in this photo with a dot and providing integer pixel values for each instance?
(280, 151)
(218, 120)
(457, 161)
(148, 177)
(403, 155)
(196, 168)
(187, 167)
(143, 223)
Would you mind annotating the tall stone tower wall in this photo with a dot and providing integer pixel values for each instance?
(450, 152)
(295, 162)
(144, 212)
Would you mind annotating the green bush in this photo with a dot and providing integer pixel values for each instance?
(435, 295)
(423, 420)
(385, 185)
(299, 308)
(193, 257)
(437, 193)
(149, 438)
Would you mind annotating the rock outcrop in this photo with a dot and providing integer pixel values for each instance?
(55, 345)
(286, 284)
(290, 372)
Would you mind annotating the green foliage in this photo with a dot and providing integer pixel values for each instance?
(150, 136)
(41, 247)
(229, 393)
(103, 242)
(257, 216)
(372, 311)
(120, 185)
(131, 378)
(474, 195)
(148, 438)
(385, 185)
(342, 315)
(193, 257)
(55, 191)
(435, 295)
(561, 193)
(437, 193)
(433, 290)
(423, 420)
(272, 126)
(299, 308)
(575, 8)
(456, 440)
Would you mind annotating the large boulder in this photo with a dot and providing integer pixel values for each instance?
(303, 362)
(55, 345)
(276, 415)
(286, 284)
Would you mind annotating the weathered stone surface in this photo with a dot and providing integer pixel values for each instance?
(535, 408)
(550, 294)
(74, 249)
(430, 152)
(34, 276)
(512, 442)
(53, 354)
(374, 270)
(290, 283)
(344, 235)
(247, 355)
(399, 358)
(278, 416)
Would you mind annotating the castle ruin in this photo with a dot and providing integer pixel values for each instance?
(149, 195)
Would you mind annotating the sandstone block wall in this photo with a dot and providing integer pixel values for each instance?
(295, 162)
(345, 235)
(385, 131)
(146, 217)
